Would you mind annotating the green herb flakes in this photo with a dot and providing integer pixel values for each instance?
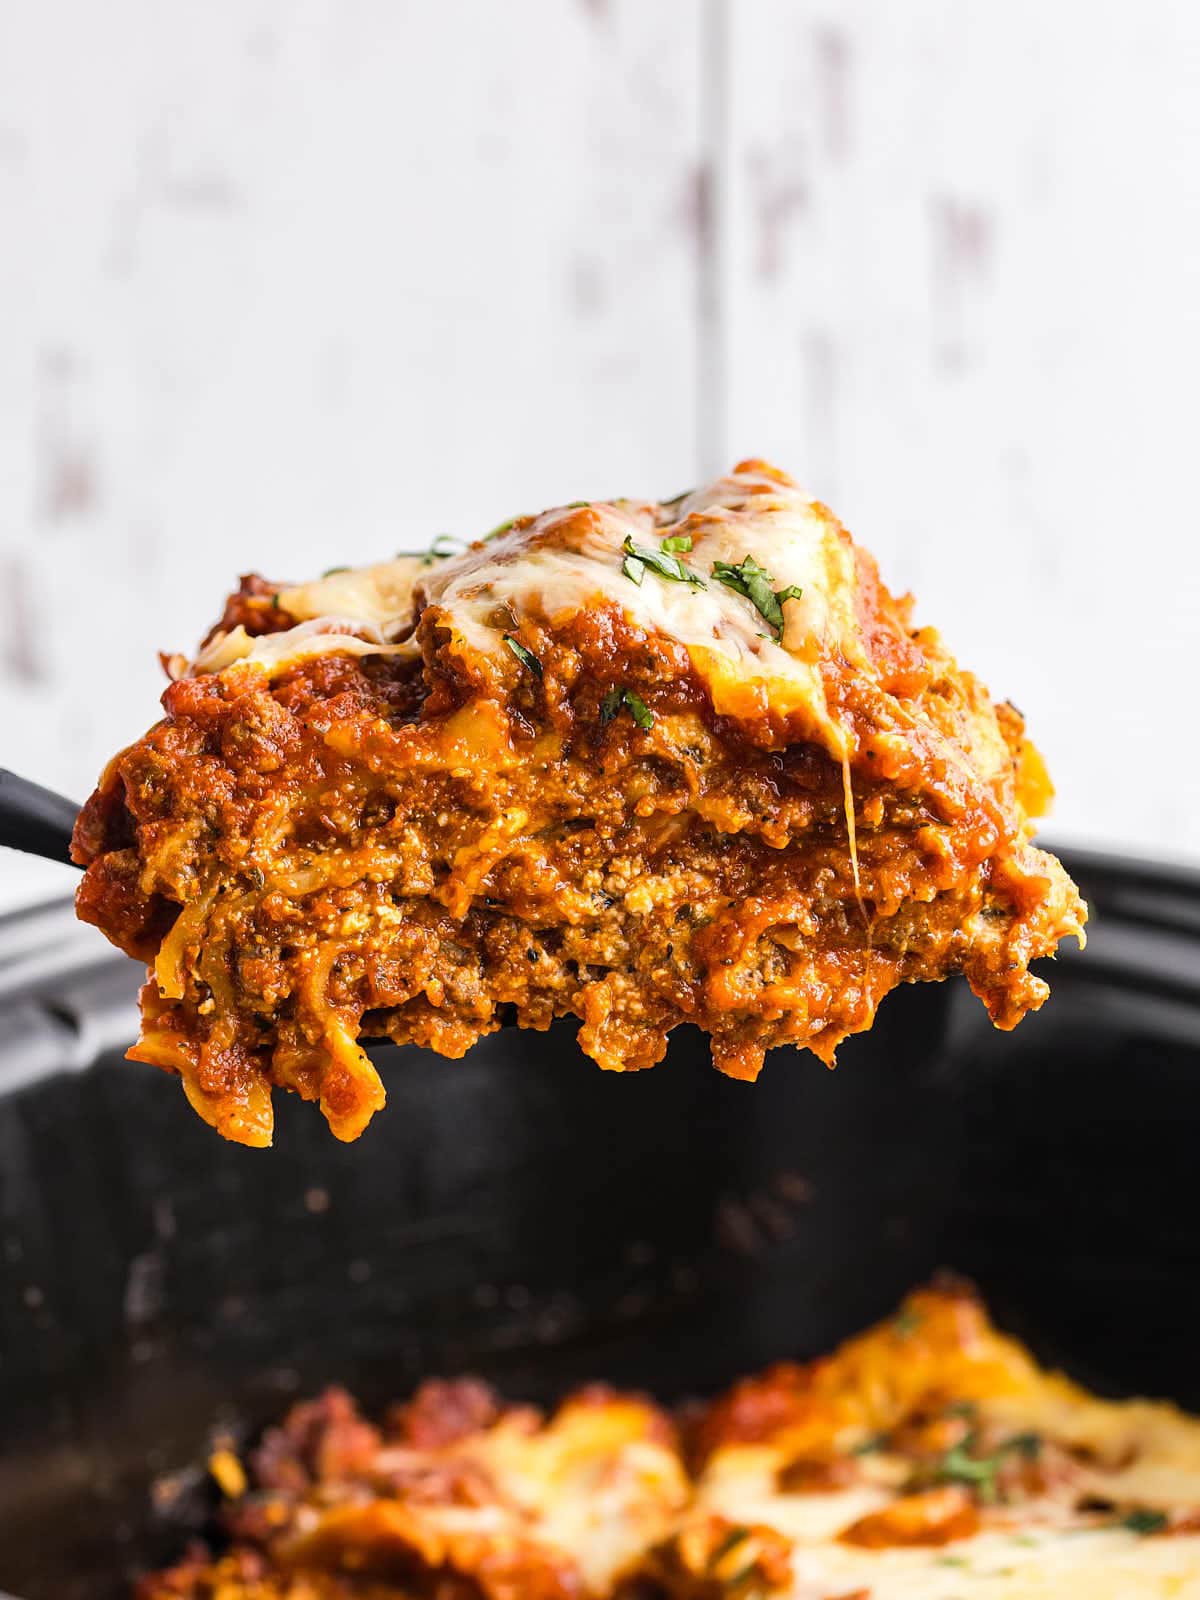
(677, 499)
(756, 583)
(982, 1473)
(633, 703)
(1143, 1521)
(956, 1466)
(633, 569)
(662, 561)
(1028, 1445)
(443, 546)
(524, 656)
(732, 1539)
(868, 1446)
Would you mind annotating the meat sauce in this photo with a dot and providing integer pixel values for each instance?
(431, 842)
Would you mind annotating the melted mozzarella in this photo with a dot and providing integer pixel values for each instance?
(569, 560)
(597, 1484)
(1145, 1453)
(1032, 1560)
(378, 597)
(1100, 1564)
(1046, 1553)
(359, 611)
(739, 1485)
(275, 652)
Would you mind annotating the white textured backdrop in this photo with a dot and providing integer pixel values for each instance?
(285, 283)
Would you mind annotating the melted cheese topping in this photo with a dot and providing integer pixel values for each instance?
(379, 598)
(359, 611)
(595, 1486)
(1106, 1564)
(570, 560)
(598, 1483)
(1050, 1543)
(1044, 1552)
(802, 1492)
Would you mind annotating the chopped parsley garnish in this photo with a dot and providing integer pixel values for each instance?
(1028, 1445)
(662, 561)
(732, 1539)
(444, 545)
(525, 657)
(639, 710)
(869, 1445)
(677, 544)
(906, 1322)
(1143, 1521)
(958, 1465)
(633, 703)
(758, 586)
(329, 571)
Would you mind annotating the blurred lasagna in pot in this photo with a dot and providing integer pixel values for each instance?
(639, 764)
(928, 1459)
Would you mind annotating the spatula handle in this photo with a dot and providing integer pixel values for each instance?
(34, 819)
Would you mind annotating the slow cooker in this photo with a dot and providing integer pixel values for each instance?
(521, 1215)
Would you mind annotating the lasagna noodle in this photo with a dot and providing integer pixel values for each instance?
(634, 763)
(928, 1459)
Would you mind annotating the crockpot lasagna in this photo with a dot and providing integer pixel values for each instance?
(928, 1459)
(637, 764)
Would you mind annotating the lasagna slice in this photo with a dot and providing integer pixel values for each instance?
(453, 1497)
(932, 1458)
(639, 764)
(929, 1459)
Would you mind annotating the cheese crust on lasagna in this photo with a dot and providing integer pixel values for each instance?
(928, 1459)
(639, 764)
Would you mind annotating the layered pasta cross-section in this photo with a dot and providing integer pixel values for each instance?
(638, 764)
